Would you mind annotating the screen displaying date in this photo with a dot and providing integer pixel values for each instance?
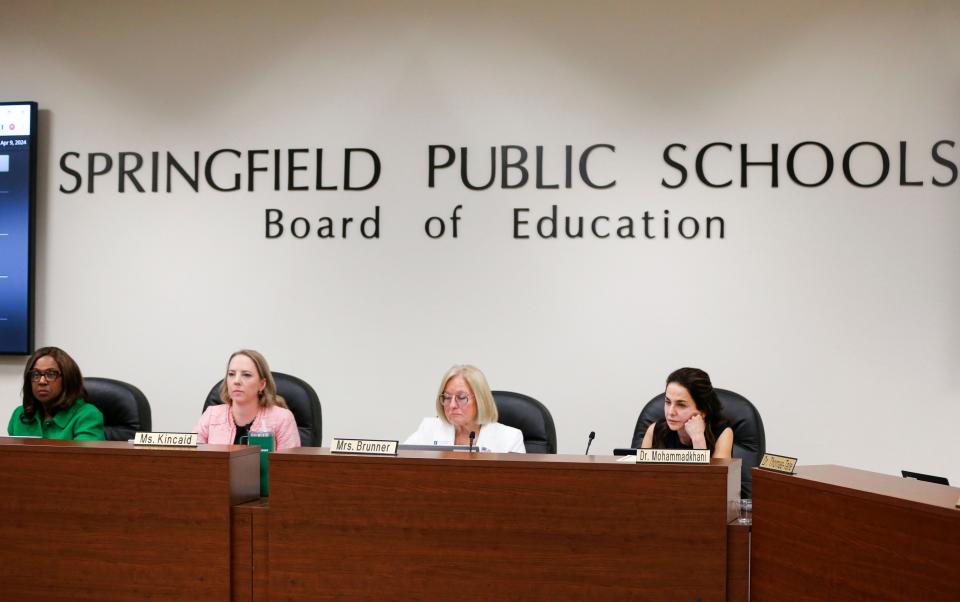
(17, 193)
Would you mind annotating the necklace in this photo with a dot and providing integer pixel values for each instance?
(237, 423)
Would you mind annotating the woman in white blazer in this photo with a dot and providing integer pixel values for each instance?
(465, 405)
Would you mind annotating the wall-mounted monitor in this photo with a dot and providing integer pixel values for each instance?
(18, 190)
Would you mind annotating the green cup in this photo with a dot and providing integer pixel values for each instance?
(265, 440)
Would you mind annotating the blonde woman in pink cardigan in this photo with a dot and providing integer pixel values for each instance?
(250, 404)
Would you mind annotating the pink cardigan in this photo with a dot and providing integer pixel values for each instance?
(217, 426)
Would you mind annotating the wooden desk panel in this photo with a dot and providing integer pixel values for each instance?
(432, 525)
(250, 538)
(105, 520)
(835, 533)
(738, 562)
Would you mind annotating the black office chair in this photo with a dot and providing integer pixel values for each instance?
(531, 417)
(302, 401)
(124, 407)
(749, 440)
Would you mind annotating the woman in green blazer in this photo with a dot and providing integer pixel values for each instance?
(53, 405)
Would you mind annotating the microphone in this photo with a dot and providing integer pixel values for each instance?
(593, 434)
(473, 436)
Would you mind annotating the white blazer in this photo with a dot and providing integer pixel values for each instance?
(494, 437)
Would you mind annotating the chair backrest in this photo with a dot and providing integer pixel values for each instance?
(749, 440)
(124, 407)
(531, 417)
(302, 401)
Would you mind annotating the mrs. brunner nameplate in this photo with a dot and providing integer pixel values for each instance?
(673, 456)
(166, 439)
(364, 447)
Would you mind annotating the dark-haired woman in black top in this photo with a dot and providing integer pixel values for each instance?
(693, 417)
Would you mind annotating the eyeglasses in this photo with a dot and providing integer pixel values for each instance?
(462, 399)
(50, 375)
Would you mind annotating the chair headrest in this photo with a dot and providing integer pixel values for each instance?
(531, 417)
(124, 407)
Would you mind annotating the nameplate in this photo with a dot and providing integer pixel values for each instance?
(364, 447)
(166, 439)
(673, 456)
(783, 464)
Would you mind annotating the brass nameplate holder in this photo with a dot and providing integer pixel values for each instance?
(781, 464)
(166, 439)
(364, 447)
(673, 456)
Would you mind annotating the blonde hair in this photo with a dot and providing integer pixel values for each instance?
(486, 407)
(268, 396)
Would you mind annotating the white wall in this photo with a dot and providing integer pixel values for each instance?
(834, 309)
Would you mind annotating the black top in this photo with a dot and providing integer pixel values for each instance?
(242, 431)
(672, 440)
